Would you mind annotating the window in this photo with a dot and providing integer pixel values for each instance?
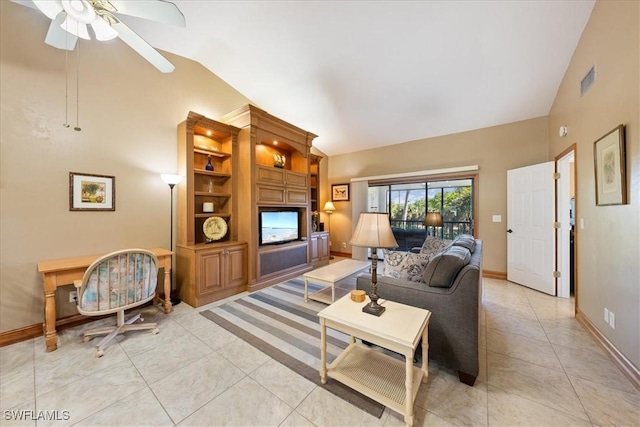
(407, 204)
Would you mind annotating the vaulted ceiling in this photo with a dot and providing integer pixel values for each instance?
(362, 74)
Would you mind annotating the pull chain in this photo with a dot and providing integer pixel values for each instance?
(77, 128)
(66, 81)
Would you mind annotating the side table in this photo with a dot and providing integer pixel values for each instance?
(385, 379)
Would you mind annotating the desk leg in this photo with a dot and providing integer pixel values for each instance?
(49, 327)
(323, 351)
(408, 401)
(167, 288)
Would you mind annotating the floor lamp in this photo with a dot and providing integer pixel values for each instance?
(172, 180)
(329, 208)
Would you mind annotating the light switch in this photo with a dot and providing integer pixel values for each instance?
(582, 223)
(497, 218)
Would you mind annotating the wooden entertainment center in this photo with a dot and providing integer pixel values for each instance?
(260, 163)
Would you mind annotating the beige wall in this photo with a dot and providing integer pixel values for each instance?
(495, 150)
(609, 244)
(128, 114)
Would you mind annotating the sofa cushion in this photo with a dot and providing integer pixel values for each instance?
(433, 245)
(405, 265)
(443, 267)
(466, 241)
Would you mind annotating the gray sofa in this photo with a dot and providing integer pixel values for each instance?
(454, 325)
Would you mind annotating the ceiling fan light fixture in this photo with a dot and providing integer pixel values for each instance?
(74, 17)
(80, 10)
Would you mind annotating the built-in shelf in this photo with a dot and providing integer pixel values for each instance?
(212, 173)
(207, 271)
(210, 152)
(210, 214)
(207, 194)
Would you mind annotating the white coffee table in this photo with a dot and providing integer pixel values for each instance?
(328, 276)
(390, 381)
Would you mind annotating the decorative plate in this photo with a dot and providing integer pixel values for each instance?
(215, 228)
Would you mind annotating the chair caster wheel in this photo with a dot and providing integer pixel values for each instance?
(155, 331)
(99, 353)
(87, 338)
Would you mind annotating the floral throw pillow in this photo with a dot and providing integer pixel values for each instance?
(433, 245)
(405, 265)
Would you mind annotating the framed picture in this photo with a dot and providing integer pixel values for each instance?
(340, 192)
(611, 180)
(88, 192)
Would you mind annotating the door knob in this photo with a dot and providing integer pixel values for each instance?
(509, 231)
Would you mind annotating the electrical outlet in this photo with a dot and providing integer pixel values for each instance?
(73, 296)
(612, 320)
(606, 314)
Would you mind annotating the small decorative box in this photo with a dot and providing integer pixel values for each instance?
(358, 296)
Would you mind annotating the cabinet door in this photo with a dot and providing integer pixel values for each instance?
(315, 254)
(323, 246)
(236, 266)
(295, 179)
(271, 195)
(273, 176)
(210, 271)
(299, 197)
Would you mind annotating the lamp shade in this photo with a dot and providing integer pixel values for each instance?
(171, 178)
(433, 219)
(329, 207)
(373, 231)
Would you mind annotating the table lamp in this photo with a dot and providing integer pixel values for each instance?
(433, 219)
(374, 231)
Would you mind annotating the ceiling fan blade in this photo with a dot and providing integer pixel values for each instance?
(128, 36)
(49, 8)
(102, 30)
(58, 37)
(157, 10)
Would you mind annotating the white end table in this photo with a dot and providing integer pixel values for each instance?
(385, 379)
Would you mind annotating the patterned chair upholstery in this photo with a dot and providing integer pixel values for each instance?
(114, 283)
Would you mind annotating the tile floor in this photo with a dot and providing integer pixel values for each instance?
(538, 368)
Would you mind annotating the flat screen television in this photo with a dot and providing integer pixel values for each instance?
(278, 227)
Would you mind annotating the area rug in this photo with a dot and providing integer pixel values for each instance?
(279, 323)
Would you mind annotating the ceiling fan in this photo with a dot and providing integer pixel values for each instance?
(73, 18)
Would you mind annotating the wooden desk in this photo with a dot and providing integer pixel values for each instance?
(61, 272)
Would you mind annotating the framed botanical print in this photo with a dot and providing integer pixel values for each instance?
(610, 173)
(340, 192)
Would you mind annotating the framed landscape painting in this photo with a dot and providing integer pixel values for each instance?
(610, 173)
(340, 193)
(88, 192)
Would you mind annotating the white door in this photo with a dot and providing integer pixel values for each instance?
(530, 234)
(564, 211)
